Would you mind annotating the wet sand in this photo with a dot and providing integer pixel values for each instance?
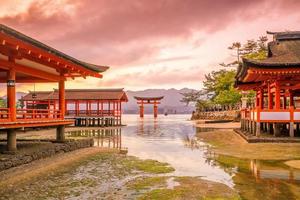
(227, 142)
(54, 164)
(229, 125)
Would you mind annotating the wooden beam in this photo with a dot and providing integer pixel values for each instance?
(28, 80)
(29, 71)
(28, 47)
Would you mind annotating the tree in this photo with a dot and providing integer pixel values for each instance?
(2, 103)
(203, 104)
(236, 46)
(221, 84)
(252, 49)
(189, 97)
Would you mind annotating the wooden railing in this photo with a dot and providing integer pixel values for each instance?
(38, 114)
(30, 114)
(271, 115)
(4, 114)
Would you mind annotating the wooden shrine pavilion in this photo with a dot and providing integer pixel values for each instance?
(276, 81)
(141, 101)
(82, 103)
(26, 60)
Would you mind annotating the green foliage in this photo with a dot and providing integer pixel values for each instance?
(228, 97)
(259, 55)
(202, 104)
(252, 49)
(20, 104)
(189, 97)
(251, 94)
(221, 83)
(2, 103)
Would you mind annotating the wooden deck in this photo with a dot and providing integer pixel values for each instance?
(35, 123)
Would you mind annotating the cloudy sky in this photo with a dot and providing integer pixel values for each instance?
(148, 43)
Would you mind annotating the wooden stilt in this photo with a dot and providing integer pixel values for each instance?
(11, 140)
(60, 133)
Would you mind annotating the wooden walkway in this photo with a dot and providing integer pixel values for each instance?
(94, 121)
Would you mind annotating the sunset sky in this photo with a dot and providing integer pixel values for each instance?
(147, 43)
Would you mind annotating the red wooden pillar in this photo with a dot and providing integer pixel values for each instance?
(90, 107)
(61, 88)
(291, 98)
(54, 104)
(155, 110)
(277, 95)
(66, 106)
(257, 99)
(142, 109)
(11, 94)
(270, 97)
(108, 107)
(114, 108)
(76, 107)
(86, 107)
(261, 99)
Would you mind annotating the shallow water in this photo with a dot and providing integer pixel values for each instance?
(172, 139)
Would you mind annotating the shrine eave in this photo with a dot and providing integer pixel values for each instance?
(27, 50)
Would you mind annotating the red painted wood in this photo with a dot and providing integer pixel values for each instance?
(11, 95)
(61, 89)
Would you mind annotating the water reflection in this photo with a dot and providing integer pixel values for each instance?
(171, 139)
(260, 171)
(261, 179)
(110, 138)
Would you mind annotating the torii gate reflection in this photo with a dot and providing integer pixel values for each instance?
(148, 100)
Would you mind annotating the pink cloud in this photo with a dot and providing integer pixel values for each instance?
(112, 25)
(130, 33)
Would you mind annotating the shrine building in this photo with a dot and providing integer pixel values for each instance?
(276, 82)
(101, 105)
(26, 60)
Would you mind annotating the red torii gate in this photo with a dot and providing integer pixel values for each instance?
(148, 100)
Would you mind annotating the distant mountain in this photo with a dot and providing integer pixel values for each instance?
(170, 103)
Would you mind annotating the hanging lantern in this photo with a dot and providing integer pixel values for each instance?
(34, 95)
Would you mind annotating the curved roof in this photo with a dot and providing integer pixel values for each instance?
(283, 55)
(20, 36)
(149, 98)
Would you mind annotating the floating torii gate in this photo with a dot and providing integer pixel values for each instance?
(148, 100)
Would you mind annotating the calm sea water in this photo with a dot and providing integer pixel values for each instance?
(173, 139)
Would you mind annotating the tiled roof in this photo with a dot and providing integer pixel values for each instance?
(283, 52)
(18, 35)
